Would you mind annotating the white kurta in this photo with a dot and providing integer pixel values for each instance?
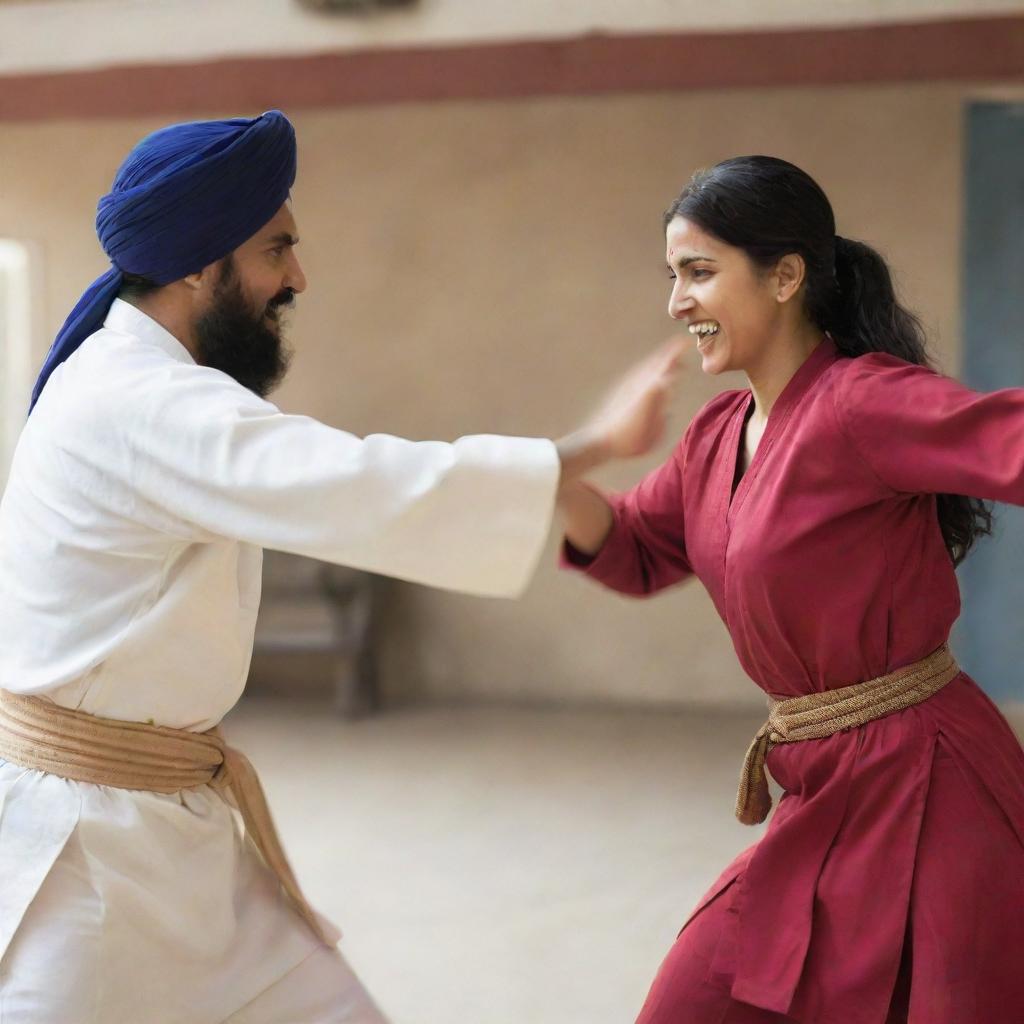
(140, 496)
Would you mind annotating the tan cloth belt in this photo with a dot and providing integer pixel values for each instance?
(817, 715)
(36, 733)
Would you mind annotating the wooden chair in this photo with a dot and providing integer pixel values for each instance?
(314, 633)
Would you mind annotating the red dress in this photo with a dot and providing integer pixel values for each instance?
(889, 885)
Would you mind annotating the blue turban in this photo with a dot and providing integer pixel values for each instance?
(185, 197)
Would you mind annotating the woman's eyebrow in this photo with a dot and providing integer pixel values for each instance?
(687, 260)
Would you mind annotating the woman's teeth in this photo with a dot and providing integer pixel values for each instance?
(704, 331)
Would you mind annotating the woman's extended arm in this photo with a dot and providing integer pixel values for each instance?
(921, 432)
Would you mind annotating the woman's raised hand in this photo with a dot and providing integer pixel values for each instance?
(632, 419)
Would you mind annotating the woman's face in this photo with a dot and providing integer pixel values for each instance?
(729, 304)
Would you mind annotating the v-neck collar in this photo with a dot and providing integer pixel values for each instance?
(823, 356)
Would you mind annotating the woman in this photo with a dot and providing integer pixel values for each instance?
(824, 509)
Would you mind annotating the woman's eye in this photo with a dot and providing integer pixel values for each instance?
(701, 273)
(671, 275)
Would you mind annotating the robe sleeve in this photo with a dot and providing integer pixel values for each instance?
(646, 549)
(923, 433)
(472, 515)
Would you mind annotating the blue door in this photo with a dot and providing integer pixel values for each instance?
(989, 640)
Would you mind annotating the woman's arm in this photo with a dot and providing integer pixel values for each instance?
(923, 433)
(586, 515)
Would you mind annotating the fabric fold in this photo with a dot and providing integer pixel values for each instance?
(59, 741)
(30, 843)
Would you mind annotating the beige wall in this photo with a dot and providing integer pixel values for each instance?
(490, 267)
(99, 33)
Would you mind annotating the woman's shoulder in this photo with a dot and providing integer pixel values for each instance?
(720, 408)
(708, 426)
(877, 391)
(878, 370)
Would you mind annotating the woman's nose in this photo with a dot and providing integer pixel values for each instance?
(678, 305)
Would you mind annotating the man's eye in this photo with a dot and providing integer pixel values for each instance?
(701, 272)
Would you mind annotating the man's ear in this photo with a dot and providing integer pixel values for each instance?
(790, 274)
(196, 281)
(205, 279)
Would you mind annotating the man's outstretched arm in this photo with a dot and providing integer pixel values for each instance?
(206, 458)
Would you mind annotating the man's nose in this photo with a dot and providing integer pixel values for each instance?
(295, 279)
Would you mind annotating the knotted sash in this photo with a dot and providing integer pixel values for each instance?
(814, 716)
(38, 734)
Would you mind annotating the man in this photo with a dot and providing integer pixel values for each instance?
(149, 476)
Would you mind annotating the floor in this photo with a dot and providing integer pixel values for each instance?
(502, 866)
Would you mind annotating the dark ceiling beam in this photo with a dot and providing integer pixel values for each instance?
(978, 49)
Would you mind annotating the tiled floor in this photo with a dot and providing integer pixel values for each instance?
(502, 866)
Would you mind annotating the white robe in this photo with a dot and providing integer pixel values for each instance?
(140, 496)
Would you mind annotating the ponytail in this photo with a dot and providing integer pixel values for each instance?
(866, 315)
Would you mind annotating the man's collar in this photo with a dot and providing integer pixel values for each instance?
(128, 319)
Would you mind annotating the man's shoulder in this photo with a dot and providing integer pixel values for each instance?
(125, 396)
(115, 372)
(106, 358)
(107, 370)
(96, 397)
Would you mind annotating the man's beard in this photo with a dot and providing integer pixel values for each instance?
(234, 338)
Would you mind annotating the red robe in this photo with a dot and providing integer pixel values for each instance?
(828, 567)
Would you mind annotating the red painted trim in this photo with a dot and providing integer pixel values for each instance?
(982, 49)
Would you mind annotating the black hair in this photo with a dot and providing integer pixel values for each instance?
(768, 207)
(134, 286)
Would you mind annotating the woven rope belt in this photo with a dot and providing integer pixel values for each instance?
(36, 733)
(817, 715)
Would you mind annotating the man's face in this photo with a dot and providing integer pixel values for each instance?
(240, 332)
